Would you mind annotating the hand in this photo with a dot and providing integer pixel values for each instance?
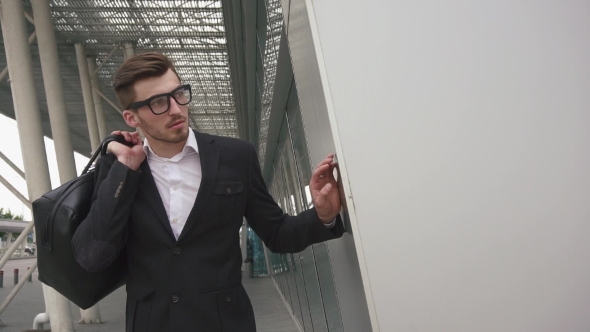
(324, 190)
(131, 157)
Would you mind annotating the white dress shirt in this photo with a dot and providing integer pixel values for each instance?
(178, 180)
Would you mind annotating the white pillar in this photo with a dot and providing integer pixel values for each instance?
(100, 118)
(28, 119)
(8, 239)
(56, 106)
(128, 50)
(87, 95)
(54, 91)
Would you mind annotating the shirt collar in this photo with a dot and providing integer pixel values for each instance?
(191, 143)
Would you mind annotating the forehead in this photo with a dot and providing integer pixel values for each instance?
(148, 87)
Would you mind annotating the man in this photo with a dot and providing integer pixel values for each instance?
(174, 204)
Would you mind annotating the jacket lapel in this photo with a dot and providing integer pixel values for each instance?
(209, 157)
(148, 186)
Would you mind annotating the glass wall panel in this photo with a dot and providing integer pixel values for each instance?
(305, 279)
(295, 207)
(331, 308)
(255, 252)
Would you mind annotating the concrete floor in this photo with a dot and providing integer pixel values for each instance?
(271, 312)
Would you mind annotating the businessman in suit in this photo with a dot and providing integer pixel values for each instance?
(174, 204)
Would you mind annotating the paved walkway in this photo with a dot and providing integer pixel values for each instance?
(271, 312)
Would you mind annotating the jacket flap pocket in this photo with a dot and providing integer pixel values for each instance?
(228, 187)
(139, 291)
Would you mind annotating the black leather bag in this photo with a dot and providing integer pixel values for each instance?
(57, 215)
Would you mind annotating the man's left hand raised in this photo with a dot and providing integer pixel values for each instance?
(324, 190)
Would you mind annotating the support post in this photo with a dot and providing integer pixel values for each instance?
(100, 118)
(12, 165)
(15, 192)
(57, 109)
(4, 71)
(128, 50)
(28, 119)
(54, 90)
(13, 246)
(87, 96)
(8, 240)
(95, 89)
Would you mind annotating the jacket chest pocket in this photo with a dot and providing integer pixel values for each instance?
(230, 195)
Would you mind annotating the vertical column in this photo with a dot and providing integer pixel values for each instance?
(8, 239)
(87, 95)
(100, 118)
(54, 91)
(28, 119)
(128, 51)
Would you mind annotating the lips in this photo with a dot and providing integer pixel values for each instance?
(177, 124)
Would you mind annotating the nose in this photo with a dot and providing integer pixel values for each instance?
(174, 107)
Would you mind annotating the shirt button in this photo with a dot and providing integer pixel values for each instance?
(175, 187)
(174, 298)
(228, 190)
(228, 299)
(176, 250)
(174, 221)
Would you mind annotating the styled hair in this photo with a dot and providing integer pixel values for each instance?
(137, 67)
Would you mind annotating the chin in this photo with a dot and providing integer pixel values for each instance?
(181, 134)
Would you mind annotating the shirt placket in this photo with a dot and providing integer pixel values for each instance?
(175, 177)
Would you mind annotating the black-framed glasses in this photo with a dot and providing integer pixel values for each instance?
(160, 104)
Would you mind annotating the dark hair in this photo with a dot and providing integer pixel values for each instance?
(138, 67)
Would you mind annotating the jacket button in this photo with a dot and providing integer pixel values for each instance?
(176, 250)
(228, 190)
(227, 299)
(174, 298)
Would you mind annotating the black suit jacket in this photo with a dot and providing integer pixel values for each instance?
(193, 284)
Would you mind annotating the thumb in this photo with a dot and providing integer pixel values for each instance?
(326, 189)
(322, 198)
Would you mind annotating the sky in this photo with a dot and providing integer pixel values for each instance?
(11, 149)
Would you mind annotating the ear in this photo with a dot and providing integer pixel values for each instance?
(131, 118)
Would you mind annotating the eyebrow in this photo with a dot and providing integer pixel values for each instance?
(160, 94)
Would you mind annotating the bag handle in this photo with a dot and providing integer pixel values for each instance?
(102, 149)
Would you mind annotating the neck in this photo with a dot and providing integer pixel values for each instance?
(166, 149)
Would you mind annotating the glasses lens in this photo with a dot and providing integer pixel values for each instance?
(182, 96)
(159, 105)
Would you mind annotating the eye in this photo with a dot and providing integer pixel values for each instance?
(180, 93)
(158, 102)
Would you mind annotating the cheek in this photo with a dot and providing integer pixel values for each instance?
(149, 121)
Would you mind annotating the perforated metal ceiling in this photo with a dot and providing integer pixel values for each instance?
(191, 33)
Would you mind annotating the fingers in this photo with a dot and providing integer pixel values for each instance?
(114, 147)
(320, 173)
(329, 159)
(321, 199)
(129, 137)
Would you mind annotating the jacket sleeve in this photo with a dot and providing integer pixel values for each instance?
(281, 232)
(100, 237)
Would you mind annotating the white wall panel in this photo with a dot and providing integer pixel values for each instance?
(346, 267)
(465, 130)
